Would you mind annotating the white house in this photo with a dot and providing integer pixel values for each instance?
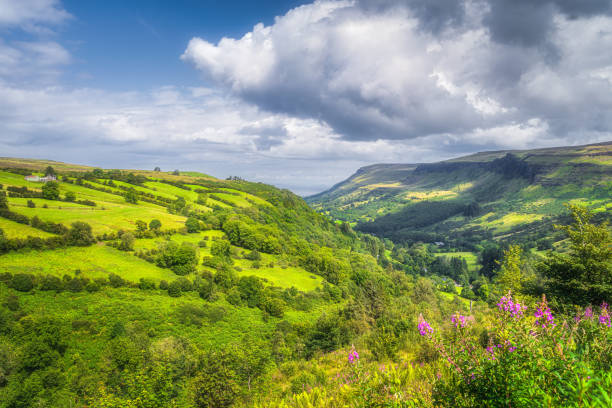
(39, 179)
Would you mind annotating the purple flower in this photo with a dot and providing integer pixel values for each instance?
(604, 317)
(353, 356)
(459, 321)
(424, 327)
(543, 315)
(507, 304)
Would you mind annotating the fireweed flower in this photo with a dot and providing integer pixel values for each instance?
(353, 356)
(604, 316)
(543, 315)
(424, 327)
(507, 304)
(459, 321)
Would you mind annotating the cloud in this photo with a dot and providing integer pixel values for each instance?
(403, 70)
(329, 87)
(32, 15)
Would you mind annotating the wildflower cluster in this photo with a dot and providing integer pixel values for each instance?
(424, 327)
(353, 356)
(507, 304)
(459, 321)
(604, 316)
(543, 315)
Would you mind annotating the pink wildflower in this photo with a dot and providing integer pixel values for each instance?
(424, 327)
(459, 321)
(604, 316)
(543, 315)
(507, 304)
(353, 356)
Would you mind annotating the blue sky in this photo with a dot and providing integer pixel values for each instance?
(136, 44)
(299, 94)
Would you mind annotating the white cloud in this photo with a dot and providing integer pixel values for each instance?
(375, 73)
(31, 15)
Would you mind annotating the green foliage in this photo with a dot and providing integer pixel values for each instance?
(80, 234)
(23, 282)
(155, 224)
(175, 289)
(503, 372)
(220, 248)
(510, 277)
(584, 276)
(70, 196)
(131, 196)
(50, 190)
(192, 224)
(127, 242)
(216, 385)
(181, 259)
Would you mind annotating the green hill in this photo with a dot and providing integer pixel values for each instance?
(136, 260)
(512, 196)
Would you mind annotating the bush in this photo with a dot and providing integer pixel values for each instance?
(175, 289)
(527, 357)
(216, 385)
(155, 224)
(80, 234)
(127, 242)
(31, 204)
(70, 196)
(116, 281)
(163, 285)
(92, 287)
(192, 224)
(50, 282)
(23, 282)
(146, 284)
(12, 303)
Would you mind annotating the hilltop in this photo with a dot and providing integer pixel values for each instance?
(511, 195)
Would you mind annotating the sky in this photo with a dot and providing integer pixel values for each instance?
(299, 94)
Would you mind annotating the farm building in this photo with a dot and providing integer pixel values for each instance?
(40, 179)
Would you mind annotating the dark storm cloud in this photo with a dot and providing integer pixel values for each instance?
(433, 15)
(530, 22)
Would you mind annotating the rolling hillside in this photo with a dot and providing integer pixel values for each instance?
(501, 195)
(141, 260)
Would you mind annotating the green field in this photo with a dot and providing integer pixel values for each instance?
(470, 257)
(14, 229)
(97, 261)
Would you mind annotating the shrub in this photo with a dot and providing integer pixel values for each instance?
(146, 284)
(155, 224)
(192, 224)
(80, 234)
(115, 280)
(174, 289)
(50, 282)
(527, 357)
(70, 196)
(31, 204)
(92, 287)
(23, 282)
(127, 242)
(12, 303)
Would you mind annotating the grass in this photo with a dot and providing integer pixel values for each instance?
(13, 229)
(470, 257)
(94, 262)
(287, 277)
(105, 217)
